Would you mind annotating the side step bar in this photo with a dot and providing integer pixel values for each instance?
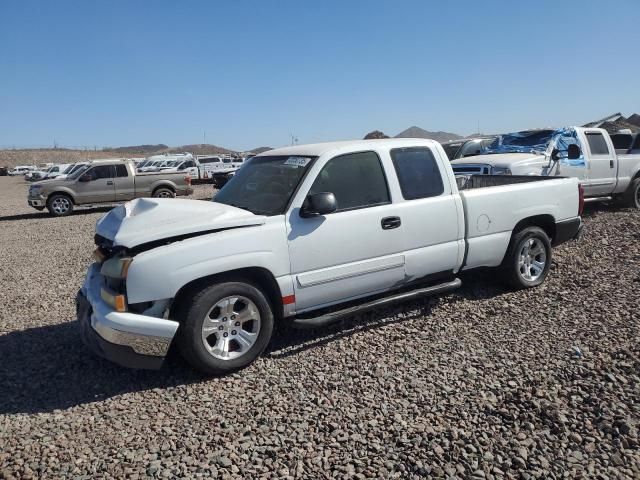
(337, 315)
(598, 199)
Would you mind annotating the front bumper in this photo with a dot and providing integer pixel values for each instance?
(36, 201)
(128, 339)
(568, 230)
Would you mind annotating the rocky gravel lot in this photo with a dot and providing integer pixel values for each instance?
(481, 383)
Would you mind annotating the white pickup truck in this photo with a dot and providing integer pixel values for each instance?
(311, 234)
(587, 154)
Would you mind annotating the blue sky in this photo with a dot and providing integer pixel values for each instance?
(111, 73)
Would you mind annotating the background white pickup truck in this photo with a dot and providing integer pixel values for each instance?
(587, 154)
(310, 233)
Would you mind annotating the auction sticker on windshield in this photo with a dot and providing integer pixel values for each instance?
(298, 161)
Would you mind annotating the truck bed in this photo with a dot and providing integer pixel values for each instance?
(494, 204)
(471, 182)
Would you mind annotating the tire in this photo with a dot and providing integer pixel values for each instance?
(163, 192)
(207, 325)
(60, 205)
(528, 258)
(631, 198)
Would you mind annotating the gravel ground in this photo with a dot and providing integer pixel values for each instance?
(481, 383)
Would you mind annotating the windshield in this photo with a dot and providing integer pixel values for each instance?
(265, 185)
(451, 149)
(526, 142)
(78, 172)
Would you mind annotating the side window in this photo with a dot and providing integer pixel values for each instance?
(356, 179)
(189, 164)
(597, 144)
(121, 171)
(103, 171)
(418, 172)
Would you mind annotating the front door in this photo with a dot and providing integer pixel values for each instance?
(98, 188)
(355, 251)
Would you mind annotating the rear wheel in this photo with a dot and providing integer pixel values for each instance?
(528, 258)
(631, 197)
(224, 327)
(59, 205)
(163, 192)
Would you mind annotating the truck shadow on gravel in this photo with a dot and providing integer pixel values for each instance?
(47, 368)
(46, 215)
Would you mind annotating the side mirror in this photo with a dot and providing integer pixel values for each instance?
(85, 178)
(319, 204)
(555, 154)
(573, 152)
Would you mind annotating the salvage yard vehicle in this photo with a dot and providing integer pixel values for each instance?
(310, 234)
(21, 170)
(104, 181)
(466, 147)
(584, 153)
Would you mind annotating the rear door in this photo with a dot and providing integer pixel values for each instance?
(602, 164)
(99, 188)
(355, 251)
(124, 183)
(431, 215)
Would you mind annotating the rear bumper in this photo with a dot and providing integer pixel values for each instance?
(568, 230)
(128, 339)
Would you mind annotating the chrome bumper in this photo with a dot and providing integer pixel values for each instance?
(129, 339)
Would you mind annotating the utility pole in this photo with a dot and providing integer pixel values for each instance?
(204, 138)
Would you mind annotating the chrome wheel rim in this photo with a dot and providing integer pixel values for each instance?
(60, 205)
(231, 327)
(532, 259)
(638, 196)
(164, 194)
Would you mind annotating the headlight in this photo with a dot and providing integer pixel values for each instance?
(500, 171)
(116, 267)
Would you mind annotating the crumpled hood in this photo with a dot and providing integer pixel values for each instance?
(149, 219)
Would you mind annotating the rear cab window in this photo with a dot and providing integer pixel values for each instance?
(121, 171)
(418, 172)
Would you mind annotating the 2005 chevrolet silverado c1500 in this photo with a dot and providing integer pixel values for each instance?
(105, 181)
(309, 233)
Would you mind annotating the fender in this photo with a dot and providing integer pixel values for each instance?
(172, 266)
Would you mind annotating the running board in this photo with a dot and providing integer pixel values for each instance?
(337, 315)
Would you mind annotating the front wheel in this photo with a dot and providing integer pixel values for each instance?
(224, 327)
(528, 258)
(59, 205)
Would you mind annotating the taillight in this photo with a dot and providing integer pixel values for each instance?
(187, 179)
(580, 199)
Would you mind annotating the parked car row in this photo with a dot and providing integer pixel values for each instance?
(310, 234)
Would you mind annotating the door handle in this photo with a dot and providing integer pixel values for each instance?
(390, 222)
(109, 182)
(610, 163)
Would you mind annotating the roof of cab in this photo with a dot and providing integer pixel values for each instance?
(317, 149)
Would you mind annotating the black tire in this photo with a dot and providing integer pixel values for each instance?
(163, 192)
(631, 198)
(196, 305)
(59, 205)
(520, 266)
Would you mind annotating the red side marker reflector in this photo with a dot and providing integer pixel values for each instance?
(289, 299)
